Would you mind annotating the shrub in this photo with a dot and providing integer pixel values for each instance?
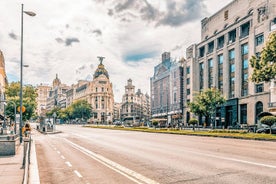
(193, 122)
(268, 120)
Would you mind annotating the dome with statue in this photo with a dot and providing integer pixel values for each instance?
(101, 70)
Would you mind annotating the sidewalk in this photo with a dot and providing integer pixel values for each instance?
(11, 170)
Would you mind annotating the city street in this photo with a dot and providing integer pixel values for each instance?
(86, 155)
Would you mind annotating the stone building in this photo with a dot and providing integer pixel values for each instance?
(3, 81)
(98, 93)
(42, 96)
(229, 38)
(135, 105)
(166, 88)
(57, 95)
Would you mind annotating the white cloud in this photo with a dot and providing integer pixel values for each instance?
(98, 27)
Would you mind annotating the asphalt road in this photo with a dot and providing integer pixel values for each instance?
(86, 155)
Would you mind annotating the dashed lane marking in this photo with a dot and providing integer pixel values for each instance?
(77, 173)
(69, 164)
(62, 157)
(130, 174)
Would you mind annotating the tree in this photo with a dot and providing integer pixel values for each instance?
(155, 123)
(29, 100)
(264, 66)
(81, 109)
(268, 120)
(193, 122)
(206, 102)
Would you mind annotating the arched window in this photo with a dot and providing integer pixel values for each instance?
(259, 108)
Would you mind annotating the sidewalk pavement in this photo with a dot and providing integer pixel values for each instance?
(11, 169)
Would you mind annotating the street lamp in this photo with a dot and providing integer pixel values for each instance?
(21, 66)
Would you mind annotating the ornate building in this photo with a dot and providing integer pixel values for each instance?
(57, 95)
(135, 105)
(98, 93)
(167, 90)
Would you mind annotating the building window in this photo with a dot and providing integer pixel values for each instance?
(243, 112)
(259, 39)
(188, 81)
(188, 91)
(232, 36)
(244, 57)
(231, 54)
(245, 30)
(188, 70)
(102, 89)
(220, 72)
(220, 42)
(201, 51)
(210, 47)
(259, 109)
(96, 89)
(259, 88)
(201, 74)
(210, 73)
(174, 97)
(226, 15)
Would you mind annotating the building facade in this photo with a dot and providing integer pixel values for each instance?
(3, 82)
(57, 95)
(166, 88)
(41, 99)
(229, 38)
(134, 106)
(98, 93)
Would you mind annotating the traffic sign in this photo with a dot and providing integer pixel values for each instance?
(23, 109)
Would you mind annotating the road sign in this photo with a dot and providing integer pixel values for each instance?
(23, 109)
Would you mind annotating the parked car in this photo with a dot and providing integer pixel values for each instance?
(266, 130)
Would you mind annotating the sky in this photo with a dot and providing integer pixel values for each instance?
(66, 36)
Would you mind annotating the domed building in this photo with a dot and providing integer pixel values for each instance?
(98, 93)
(101, 96)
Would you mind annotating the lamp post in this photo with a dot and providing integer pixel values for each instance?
(21, 66)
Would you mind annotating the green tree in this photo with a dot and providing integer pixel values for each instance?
(81, 109)
(193, 122)
(205, 103)
(155, 123)
(268, 120)
(29, 100)
(264, 66)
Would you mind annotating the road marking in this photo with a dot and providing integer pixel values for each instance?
(77, 173)
(238, 160)
(62, 157)
(130, 174)
(58, 152)
(69, 164)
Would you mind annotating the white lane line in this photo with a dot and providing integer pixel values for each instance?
(237, 160)
(62, 157)
(69, 164)
(130, 174)
(58, 152)
(77, 173)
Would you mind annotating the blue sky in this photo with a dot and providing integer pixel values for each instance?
(66, 37)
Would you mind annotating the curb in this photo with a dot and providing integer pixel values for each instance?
(33, 170)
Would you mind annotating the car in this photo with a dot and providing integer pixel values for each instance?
(266, 130)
